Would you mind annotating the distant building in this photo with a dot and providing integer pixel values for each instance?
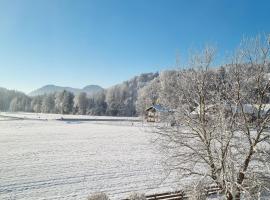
(250, 110)
(153, 113)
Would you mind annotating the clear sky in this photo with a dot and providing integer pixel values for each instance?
(76, 42)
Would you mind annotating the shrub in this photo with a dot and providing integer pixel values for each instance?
(198, 192)
(137, 196)
(98, 196)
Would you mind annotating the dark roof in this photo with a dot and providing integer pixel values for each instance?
(158, 108)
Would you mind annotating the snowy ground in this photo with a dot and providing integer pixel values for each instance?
(50, 159)
(42, 116)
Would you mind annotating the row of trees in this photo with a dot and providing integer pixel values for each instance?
(119, 100)
(222, 118)
(11, 98)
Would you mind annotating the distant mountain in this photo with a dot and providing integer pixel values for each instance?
(48, 89)
(91, 89)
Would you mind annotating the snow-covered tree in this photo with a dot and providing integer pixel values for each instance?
(36, 104)
(222, 122)
(121, 99)
(148, 95)
(64, 102)
(97, 104)
(48, 103)
(6, 97)
(20, 103)
(81, 103)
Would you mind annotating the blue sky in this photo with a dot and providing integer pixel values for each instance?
(76, 42)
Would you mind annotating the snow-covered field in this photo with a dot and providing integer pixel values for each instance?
(50, 159)
(42, 116)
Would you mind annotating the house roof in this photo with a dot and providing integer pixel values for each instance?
(247, 108)
(158, 108)
(253, 108)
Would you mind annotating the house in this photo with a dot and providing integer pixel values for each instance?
(154, 112)
(196, 112)
(250, 110)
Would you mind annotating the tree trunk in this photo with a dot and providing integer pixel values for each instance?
(229, 196)
(238, 194)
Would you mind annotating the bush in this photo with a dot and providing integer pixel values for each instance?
(98, 196)
(198, 192)
(137, 196)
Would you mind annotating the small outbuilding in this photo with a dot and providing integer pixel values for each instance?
(153, 113)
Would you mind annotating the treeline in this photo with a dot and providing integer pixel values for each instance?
(119, 100)
(167, 89)
(15, 99)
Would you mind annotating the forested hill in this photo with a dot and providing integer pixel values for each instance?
(118, 100)
(48, 89)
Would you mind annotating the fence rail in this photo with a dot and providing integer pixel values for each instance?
(180, 195)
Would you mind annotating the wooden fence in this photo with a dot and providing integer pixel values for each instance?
(180, 195)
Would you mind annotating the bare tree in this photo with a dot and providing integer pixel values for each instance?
(222, 133)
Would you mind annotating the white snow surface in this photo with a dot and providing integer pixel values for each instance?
(50, 159)
(43, 116)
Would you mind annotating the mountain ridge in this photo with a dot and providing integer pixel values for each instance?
(51, 88)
